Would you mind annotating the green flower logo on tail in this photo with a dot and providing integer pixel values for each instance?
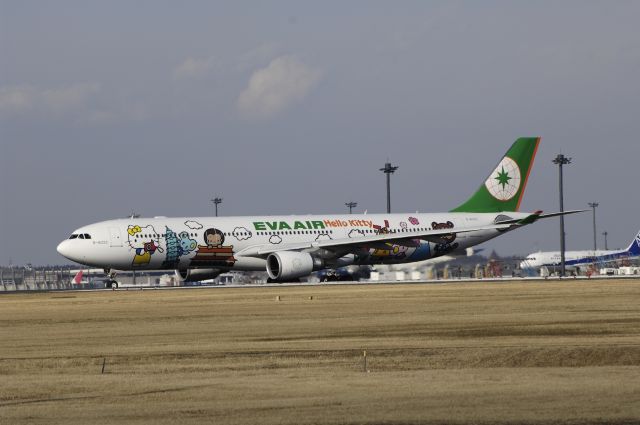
(503, 189)
(503, 183)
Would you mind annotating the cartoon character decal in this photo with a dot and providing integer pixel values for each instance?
(324, 236)
(382, 229)
(193, 225)
(422, 252)
(145, 242)
(214, 253)
(393, 252)
(447, 243)
(177, 246)
(241, 233)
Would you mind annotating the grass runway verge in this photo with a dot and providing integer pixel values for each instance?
(514, 352)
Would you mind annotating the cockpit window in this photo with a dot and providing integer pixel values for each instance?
(81, 236)
(87, 236)
(73, 236)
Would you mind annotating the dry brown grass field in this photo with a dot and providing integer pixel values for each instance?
(483, 353)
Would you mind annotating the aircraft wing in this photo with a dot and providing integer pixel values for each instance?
(348, 244)
(536, 216)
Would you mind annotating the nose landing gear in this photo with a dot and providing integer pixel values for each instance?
(111, 283)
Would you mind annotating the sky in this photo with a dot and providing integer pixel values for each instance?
(155, 107)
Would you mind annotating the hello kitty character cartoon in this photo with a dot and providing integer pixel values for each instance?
(145, 241)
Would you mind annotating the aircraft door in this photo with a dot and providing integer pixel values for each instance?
(115, 238)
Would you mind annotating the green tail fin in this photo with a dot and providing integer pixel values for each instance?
(503, 189)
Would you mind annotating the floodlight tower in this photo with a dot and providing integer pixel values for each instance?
(216, 201)
(388, 170)
(561, 160)
(351, 205)
(593, 206)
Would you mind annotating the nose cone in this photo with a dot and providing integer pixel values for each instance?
(64, 249)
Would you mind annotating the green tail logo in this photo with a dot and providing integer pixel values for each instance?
(504, 188)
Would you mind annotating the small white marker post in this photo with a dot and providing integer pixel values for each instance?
(364, 358)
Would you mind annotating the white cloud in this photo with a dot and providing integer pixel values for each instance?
(19, 99)
(284, 82)
(72, 97)
(194, 68)
(85, 103)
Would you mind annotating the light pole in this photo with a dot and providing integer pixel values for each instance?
(561, 160)
(593, 206)
(606, 246)
(388, 170)
(216, 201)
(351, 205)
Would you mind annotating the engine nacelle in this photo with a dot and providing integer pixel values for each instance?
(285, 265)
(195, 275)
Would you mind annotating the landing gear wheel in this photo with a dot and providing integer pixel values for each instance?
(111, 283)
(269, 280)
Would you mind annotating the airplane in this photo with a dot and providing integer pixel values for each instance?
(576, 259)
(77, 280)
(291, 247)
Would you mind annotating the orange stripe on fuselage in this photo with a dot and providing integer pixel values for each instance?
(533, 158)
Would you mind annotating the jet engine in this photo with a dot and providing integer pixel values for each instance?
(194, 275)
(285, 265)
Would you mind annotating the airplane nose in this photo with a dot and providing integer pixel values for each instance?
(64, 249)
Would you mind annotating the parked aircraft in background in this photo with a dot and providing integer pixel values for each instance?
(77, 279)
(577, 259)
(290, 247)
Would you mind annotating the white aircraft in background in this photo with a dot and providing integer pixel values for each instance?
(290, 247)
(577, 259)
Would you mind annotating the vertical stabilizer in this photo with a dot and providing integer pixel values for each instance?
(634, 248)
(78, 278)
(504, 188)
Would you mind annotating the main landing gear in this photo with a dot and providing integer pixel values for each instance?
(269, 280)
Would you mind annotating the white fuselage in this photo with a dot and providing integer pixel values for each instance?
(572, 258)
(223, 242)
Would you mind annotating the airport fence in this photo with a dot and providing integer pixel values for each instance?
(23, 279)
